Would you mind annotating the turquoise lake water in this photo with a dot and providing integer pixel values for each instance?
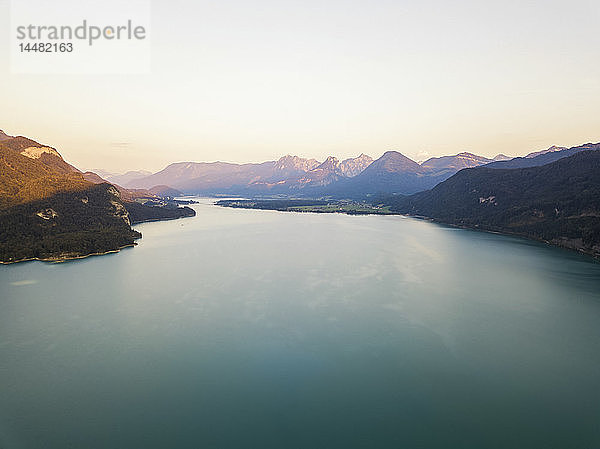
(261, 329)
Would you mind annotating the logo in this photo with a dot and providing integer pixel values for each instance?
(83, 37)
(85, 32)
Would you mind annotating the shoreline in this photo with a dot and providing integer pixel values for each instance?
(66, 258)
(589, 253)
(153, 220)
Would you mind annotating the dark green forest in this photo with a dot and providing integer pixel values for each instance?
(139, 213)
(67, 224)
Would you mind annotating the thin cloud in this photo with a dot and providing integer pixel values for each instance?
(120, 145)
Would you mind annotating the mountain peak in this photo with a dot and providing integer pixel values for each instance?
(392, 153)
(295, 163)
(394, 161)
(454, 163)
(322, 175)
(354, 166)
(551, 149)
(331, 163)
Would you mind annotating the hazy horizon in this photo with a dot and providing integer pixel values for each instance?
(242, 82)
(122, 170)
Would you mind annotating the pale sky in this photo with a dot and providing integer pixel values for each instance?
(246, 81)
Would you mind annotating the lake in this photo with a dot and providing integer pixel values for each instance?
(262, 329)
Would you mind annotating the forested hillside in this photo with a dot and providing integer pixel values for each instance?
(557, 202)
(49, 210)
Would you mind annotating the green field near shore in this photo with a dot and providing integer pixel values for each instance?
(350, 208)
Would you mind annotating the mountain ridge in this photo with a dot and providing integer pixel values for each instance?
(544, 157)
(356, 177)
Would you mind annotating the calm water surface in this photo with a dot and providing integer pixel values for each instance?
(259, 329)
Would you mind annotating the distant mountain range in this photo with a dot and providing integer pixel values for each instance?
(293, 175)
(288, 174)
(552, 149)
(395, 173)
(127, 177)
(352, 178)
(544, 157)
